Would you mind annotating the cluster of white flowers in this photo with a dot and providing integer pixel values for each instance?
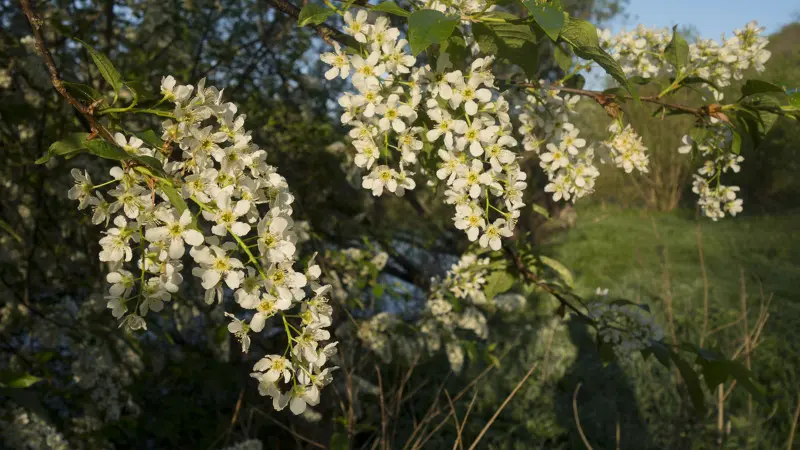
(627, 327)
(626, 148)
(567, 160)
(246, 205)
(452, 304)
(641, 53)
(28, 430)
(715, 199)
(470, 128)
(94, 370)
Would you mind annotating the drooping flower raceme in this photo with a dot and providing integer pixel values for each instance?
(242, 238)
(627, 327)
(471, 132)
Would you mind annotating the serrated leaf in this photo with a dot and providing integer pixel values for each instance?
(151, 163)
(174, 196)
(549, 18)
(638, 79)
(391, 8)
(698, 80)
(106, 150)
(427, 27)
(562, 270)
(498, 282)
(104, 65)
(73, 143)
(692, 383)
(513, 42)
(582, 36)
(752, 87)
(563, 59)
(150, 138)
(313, 14)
(677, 51)
(82, 91)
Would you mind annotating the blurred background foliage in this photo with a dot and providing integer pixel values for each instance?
(180, 385)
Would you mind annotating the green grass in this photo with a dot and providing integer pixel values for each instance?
(649, 257)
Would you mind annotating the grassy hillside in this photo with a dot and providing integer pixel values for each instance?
(653, 258)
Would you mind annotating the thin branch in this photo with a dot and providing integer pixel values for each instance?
(290, 431)
(86, 111)
(328, 34)
(577, 418)
(512, 394)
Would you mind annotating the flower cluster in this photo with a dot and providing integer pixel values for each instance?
(547, 130)
(715, 199)
(627, 327)
(452, 304)
(641, 53)
(626, 148)
(244, 204)
(468, 127)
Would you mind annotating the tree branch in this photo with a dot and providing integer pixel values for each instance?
(607, 99)
(87, 111)
(328, 34)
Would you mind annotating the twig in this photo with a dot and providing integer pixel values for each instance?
(290, 431)
(86, 111)
(328, 34)
(511, 395)
(384, 422)
(577, 417)
(606, 99)
(458, 443)
(704, 332)
(794, 425)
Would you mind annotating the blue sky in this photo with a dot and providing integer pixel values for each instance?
(711, 17)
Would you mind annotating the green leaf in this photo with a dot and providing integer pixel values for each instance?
(151, 163)
(638, 79)
(513, 42)
(692, 383)
(107, 69)
(106, 150)
(498, 282)
(73, 143)
(391, 8)
(607, 354)
(551, 19)
(174, 196)
(82, 91)
(428, 26)
(10, 230)
(18, 380)
(563, 59)
(752, 87)
(677, 51)
(541, 210)
(339, 441)
(794, 99)
(313, 14)
(582, 36)
(150, 138)
(562, 270)
(698, 80)
(745, 379)
(661, 353)
(456, 48)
